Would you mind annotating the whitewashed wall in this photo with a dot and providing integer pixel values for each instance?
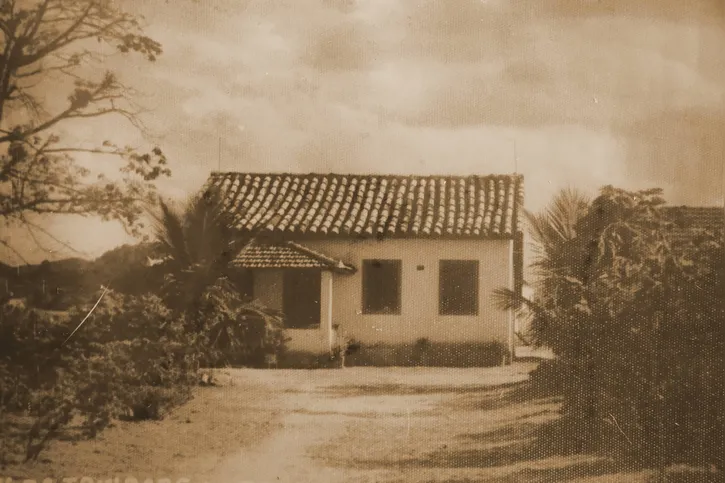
(419, 291)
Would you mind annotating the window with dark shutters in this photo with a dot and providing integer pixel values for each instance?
(381, 286)
(458, 287)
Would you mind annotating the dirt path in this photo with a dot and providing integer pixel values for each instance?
(325, 407)
(283, 457)
(363, 425)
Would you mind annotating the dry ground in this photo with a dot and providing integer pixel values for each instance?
(190, 442)
(350, 425)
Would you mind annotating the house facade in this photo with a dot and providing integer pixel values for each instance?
(381, 259)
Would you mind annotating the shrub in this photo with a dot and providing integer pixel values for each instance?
(431, 354)
(635, 318)
(422, 353)
(197, 246)
(153, 402)
(233, 331)
(131, 357)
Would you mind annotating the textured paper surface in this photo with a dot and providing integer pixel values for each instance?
(430, 128)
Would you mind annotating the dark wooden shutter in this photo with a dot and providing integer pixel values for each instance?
(382, 286)
(458, 287)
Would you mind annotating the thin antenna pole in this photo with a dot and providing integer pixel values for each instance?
(219, 155)
(516, 156)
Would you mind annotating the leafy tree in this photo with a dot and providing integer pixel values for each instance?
(51, 46)
(635, 317)
(198, 246)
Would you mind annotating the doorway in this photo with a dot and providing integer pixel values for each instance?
(301, 298)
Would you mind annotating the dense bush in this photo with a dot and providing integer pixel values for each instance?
(430, 354)
(422, 353)
(636, 319)
(131, 358)
(198, 246)
(137, 355)
(236, 332)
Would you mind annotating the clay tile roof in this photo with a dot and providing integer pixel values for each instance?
(329, 205)
(690, 221)
(286, 255)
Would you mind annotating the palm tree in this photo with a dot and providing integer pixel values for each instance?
(555, 266)
(198, 246)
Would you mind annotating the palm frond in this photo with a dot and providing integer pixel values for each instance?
(553, 230)
(566, 210)
(212, 240)
(170, 234)
(506, 299)
(557, 223)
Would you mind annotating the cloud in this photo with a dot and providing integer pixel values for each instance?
(316, 84)
(343, 46)
(591, 92)
(683, 145)
(661, 10)
(530, 73)
(465, 30)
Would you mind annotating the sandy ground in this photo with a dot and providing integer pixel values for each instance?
(349, 425)
(417, 425)
(191, 442)
(327, 408)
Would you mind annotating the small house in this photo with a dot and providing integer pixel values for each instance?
(381, 259)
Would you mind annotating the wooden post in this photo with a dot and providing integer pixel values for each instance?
(511, 314)
(326, 306)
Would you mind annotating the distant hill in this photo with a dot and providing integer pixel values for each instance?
(57, 285)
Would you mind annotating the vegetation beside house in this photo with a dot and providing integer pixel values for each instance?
(198, 246)
(132, 360)
(135, 356)
(630, 301)
(130, 355)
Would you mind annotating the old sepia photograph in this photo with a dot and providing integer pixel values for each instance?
(362, 241)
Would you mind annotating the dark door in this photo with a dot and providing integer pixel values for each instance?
(301, 296)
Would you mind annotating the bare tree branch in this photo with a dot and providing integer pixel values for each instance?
(34, 226)
(14, 250)
(44, 42)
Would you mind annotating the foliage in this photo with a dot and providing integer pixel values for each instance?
(198, 246)
(422, 353)
(636, 320)
(52, 46)
(236, 331)
(133, 358)
(553, 233)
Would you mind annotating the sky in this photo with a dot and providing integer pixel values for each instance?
(570, 93)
